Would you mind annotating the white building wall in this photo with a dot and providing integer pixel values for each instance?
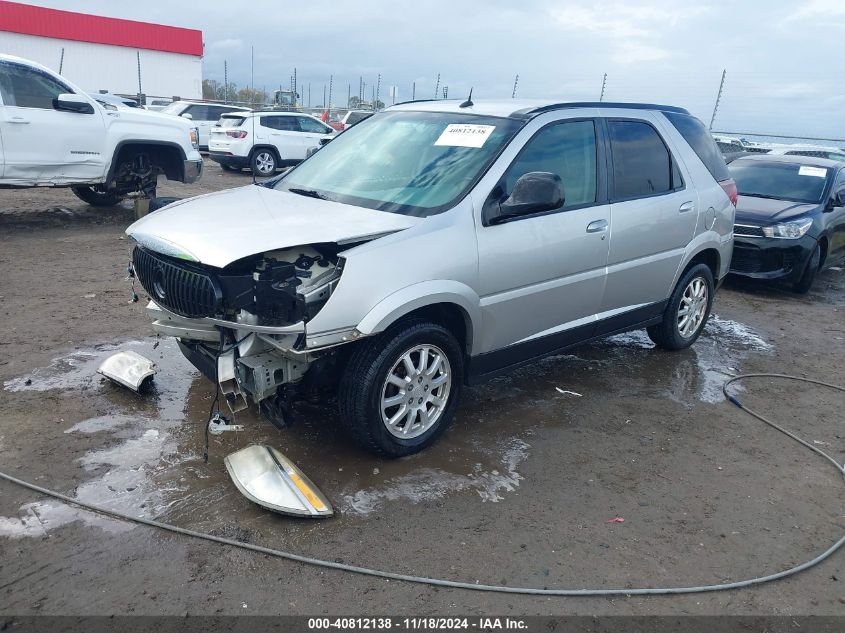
(114, 68)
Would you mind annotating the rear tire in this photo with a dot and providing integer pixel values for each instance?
(803, 285)
(687, 312)
(399, 390)
(263, 162)
(96, 197)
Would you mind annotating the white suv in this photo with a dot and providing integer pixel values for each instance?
(265, 141)
(203, 115)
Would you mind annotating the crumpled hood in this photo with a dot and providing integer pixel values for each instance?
(219, 228)
(763, 211)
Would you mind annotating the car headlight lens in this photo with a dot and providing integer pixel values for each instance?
(789, 230)
(195, 137)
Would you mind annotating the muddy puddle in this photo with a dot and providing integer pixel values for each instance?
(144, 453)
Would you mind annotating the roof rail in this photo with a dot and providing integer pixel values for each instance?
(419, 101)
(529, 112)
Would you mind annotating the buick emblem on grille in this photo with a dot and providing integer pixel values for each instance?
(158, 283)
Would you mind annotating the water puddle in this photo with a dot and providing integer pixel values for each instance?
(137, 469)
(144, 455)
(425, 484)
(699, 372)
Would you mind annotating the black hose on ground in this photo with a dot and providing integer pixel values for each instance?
(476, 586)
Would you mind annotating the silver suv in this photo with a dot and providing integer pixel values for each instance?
(439, 243)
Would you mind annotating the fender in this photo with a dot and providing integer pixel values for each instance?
(420, 295)
(120, 144)
(708, 240)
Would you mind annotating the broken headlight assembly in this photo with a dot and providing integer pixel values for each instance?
(278, 287)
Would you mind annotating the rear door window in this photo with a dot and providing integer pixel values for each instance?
(699, 139)
(642, 164)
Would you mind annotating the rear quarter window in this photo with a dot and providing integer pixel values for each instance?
(699, 139)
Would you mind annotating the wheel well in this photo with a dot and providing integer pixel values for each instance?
(271, 148)
(168, 158)
(710, 257)
(823, 246)
(452, 317)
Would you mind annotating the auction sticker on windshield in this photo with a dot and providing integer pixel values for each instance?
(819, 172)
(465, 135)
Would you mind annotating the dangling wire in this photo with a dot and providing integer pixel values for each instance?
(214, 411)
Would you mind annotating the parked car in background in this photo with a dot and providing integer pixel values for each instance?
(354, 116)
(790, 217)
(107, 99)
(815, 151)
(203, 115)
(52, 134)
(265, 141)
(437, 244)
(157, 104)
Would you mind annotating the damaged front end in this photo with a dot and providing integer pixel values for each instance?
(244, 325)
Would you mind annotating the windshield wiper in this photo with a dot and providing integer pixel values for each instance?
(309, 193)
(760, 195)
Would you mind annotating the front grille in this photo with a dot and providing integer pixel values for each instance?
(177, 286)
(746, 230)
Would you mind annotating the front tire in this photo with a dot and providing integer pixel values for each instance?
(687, 312)
(263, 162)
(97, 197)
(803, 285)
(399, 389)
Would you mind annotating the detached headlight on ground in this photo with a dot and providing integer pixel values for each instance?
(789, 230)
(266, 477)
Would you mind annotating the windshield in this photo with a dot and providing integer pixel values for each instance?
(174, 108)
(782, 181)
(412, 163)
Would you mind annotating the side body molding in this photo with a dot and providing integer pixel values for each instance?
(420, 295)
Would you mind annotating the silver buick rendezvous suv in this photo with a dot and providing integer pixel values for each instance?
(439, 243)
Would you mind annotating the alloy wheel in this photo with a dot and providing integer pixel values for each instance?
(693, 307)
(415, 392)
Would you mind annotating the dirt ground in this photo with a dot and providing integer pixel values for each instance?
(519, 491)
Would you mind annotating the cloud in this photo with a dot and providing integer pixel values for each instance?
(815, 9)
(228, 44)
(634, 32)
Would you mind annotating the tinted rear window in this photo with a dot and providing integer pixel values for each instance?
(230, 121)
(642, 165)
(699, 139)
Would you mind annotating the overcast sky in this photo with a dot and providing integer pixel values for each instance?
(784, 59)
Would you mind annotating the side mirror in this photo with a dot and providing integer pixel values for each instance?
(534, 192)
(73, 103)
(187, 115)
(839, 198)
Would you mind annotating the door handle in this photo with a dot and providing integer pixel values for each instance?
(18, 119)
(597, 226)
(686, 206)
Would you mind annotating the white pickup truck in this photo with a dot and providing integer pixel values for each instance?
(52, 134)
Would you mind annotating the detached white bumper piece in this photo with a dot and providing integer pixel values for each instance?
(266, 477)
(129, 369)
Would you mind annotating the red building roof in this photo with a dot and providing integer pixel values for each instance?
(82, 27)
